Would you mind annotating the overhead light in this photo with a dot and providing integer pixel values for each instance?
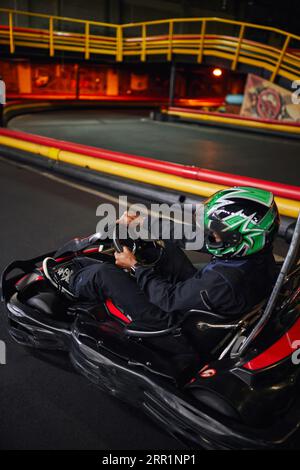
(217, 72)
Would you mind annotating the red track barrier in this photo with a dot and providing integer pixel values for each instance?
(228, 179)
(191, 172)
(141, 162)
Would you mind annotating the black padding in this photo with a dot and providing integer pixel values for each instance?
(46, 302)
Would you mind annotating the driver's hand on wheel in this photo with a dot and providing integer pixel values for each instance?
(128, 219)
(126, 259)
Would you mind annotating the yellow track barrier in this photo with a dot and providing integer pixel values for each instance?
(287, 207)
(231, 120)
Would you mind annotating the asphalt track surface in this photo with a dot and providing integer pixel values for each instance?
(131, 131)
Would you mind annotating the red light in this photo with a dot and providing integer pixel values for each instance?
(207, 373)
(217, 72)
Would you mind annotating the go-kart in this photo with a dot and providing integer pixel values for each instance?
(211, 381)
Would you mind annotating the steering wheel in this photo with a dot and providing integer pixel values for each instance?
(147, 252)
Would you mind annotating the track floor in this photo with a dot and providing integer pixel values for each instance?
(259, 156)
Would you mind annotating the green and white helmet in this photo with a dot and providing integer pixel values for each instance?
(245, 219)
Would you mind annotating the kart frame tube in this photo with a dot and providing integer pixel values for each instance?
(291, 258)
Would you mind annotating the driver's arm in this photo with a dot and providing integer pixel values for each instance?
(207, 292)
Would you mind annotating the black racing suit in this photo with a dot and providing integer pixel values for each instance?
(156, 296)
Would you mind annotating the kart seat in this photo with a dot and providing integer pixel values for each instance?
(48, 303)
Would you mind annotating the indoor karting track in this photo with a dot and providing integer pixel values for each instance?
(133, 132)
(49, 405)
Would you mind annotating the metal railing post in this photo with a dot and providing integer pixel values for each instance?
(171, 30)
(237, 53)
(11, 32)
(87, 41)
(144, 35)
(280, 59)
(51, 37)
(172, 84)
(119, 54)
(200, 54)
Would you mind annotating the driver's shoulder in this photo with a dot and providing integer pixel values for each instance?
(225, 271)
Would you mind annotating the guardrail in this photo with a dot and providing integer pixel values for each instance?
(52, 36)
(272, 49)
(226, 119)
(168, 176)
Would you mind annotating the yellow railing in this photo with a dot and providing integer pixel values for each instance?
(54, 38)
(278, 52)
